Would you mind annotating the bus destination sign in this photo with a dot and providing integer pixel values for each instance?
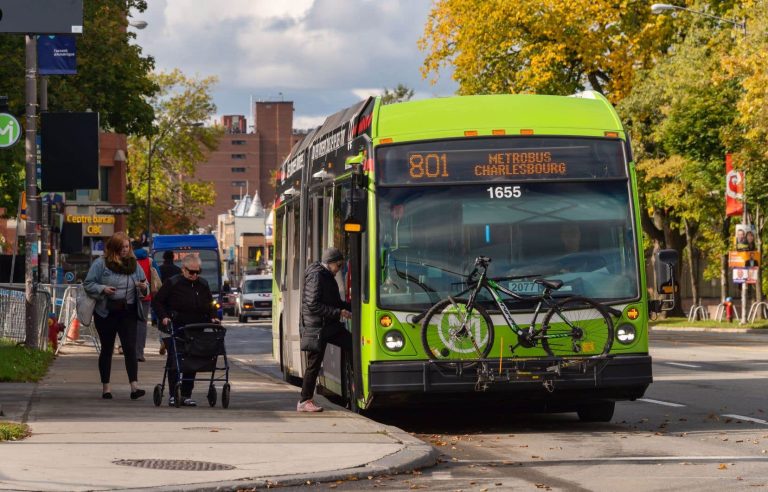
(410, 165)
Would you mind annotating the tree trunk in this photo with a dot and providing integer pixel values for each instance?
(693, 258)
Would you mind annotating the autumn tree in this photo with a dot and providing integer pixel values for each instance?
(677, 114)
(169, 155)
(542, 46)
(401, 93)
(112, 79)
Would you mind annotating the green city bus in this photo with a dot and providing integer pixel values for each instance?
(413, 192)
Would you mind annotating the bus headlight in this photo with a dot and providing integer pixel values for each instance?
(394, 341)
(625, 334)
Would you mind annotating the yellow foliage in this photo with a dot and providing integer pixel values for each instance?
(542, 46)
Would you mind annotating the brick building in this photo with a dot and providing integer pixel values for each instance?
(244, 160)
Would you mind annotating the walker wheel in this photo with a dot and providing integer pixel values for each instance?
(212, 395)
(225, 395)
(157, 395)
(177, 396)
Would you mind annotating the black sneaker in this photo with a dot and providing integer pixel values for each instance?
(188, 402)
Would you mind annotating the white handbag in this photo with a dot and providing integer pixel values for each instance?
(85, 305)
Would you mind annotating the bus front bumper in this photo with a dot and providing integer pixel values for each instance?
(614, 378)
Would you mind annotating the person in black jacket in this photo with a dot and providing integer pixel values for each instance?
(321, 305)
(185, 299)
(168, 269)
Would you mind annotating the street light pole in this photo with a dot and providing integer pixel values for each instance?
(149, 192)
(150, 150)
(32, 317)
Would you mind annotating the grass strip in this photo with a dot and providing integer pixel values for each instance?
(11, 431)
(678, 322)
(20, 364)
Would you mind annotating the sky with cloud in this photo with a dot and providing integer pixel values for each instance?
(323, 55)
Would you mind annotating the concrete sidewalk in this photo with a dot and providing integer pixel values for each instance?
(78, 439)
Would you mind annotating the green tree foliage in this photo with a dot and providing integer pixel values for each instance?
(177, 143)
(111, 79)
(400, 93)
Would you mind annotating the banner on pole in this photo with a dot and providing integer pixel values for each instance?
(734, 189)
(56, 55)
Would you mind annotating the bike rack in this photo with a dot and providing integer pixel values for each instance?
(758, 308)
(544, 371)
(697, 311)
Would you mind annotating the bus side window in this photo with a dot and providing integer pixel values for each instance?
(279, 235)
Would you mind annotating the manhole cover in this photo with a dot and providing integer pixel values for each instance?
(182, 465)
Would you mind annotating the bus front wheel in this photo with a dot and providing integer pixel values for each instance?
(601, 411)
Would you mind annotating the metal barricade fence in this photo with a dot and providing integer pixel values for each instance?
(13, 313)
(67, 316)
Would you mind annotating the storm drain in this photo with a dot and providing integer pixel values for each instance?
(180, 465)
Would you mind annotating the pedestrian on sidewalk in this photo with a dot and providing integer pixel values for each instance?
(167, 270)
(321, 306)
(119, 283)
(185, 299)
(146, 264)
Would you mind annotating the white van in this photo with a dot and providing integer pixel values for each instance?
(255, 298)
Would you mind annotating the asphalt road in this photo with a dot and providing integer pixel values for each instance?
(702, 425)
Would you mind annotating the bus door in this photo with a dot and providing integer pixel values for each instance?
(291, 288)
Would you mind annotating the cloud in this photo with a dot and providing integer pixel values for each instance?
(318, 53)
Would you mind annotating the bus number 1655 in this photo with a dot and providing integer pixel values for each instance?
(504, 192)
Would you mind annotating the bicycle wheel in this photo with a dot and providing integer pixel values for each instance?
(449, 333)
(577, 326)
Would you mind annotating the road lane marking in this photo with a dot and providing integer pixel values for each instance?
(442, 475)
(747, 419)
(712, 376)
(620, 459)
(683, 365)
(658, 402)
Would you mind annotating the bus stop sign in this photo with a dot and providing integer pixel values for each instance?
(10, 130)
(41, 16)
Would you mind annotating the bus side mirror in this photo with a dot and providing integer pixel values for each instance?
(665, 265)
(356, 199)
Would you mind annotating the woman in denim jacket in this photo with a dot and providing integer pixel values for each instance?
(114, 280)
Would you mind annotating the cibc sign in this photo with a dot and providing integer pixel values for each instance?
(94, 225)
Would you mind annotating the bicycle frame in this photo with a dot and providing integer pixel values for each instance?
(543, 301)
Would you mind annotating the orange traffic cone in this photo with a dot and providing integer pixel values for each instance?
(74, 330)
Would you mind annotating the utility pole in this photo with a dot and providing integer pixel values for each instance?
(33, 199)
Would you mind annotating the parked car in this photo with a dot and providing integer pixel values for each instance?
(230, 301)
(255, 298)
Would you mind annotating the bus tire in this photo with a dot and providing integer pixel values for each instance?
(601, 411)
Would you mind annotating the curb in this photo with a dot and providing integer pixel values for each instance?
(708, 330)
(415, 454)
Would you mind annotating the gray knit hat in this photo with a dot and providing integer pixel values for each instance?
(332, 255)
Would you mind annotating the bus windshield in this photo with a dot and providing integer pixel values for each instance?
(578, 232)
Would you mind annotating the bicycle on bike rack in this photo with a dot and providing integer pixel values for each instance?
(460, 331)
